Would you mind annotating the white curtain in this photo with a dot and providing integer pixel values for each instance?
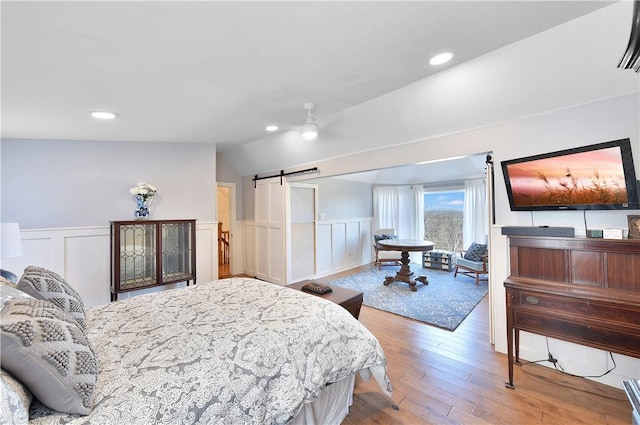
(415, 218)
(400, 207)
(475, 226)
(386, 203)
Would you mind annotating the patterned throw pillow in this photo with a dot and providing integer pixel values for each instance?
(383, 237)
(46, 349)
(475, 252)
(47, 285)
(16, 400)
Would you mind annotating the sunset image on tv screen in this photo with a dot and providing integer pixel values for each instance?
(594, 177)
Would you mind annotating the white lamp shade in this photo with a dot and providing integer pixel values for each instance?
(11, 240)
(309, 131)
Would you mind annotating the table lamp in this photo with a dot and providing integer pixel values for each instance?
(11, 246)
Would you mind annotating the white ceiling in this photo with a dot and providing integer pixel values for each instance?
(450, 170)
(219, 72)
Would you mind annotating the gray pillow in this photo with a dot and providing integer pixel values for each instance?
(44, 284)
(16, 400)
(475, 252)
(383, 237)
(46, 349)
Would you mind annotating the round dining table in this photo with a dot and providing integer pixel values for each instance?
(405, 246)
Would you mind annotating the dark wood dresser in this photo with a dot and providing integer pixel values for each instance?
(585, 291)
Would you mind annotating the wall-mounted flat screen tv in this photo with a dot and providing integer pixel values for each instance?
(594, 177)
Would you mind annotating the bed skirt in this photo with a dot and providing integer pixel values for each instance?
(330, 408)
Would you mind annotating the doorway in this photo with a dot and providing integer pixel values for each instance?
(226, 223)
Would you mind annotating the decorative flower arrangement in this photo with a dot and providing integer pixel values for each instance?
(145, 190)
(143, 193)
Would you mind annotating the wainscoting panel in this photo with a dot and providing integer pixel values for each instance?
(248, 242)
(82, 256)
(341, 244)
(323, 249)
(366, 242)
(90, 282)
(350, 244)
(353, 244)
(206, 253)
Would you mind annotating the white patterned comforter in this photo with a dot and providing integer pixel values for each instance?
(233, 351)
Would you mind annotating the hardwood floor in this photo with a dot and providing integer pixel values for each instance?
(223, 271)
(442, 377)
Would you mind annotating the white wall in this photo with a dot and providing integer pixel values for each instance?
(55, 183)
(227, 174)
(339, 199)
(223, 207)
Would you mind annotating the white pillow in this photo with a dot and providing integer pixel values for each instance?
(10, 292)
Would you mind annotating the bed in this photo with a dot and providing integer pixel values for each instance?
(232, 351)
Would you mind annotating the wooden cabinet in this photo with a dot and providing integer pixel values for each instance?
(147, 253)
(585, 291)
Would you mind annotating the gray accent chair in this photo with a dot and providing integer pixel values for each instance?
(474, 262)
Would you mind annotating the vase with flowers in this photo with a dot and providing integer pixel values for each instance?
(144, 193)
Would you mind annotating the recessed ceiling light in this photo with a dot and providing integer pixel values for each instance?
(104, 115)
(271, 128)
(441, 58)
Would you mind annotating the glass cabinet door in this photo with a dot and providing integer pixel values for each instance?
(138, 264)
(147, 253)
(176, 251)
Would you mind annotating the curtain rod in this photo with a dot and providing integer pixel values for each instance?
(433, 185)
(283, 174)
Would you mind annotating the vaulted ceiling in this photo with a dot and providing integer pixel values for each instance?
(219, 72)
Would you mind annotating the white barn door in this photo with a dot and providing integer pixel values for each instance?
(301, 213)
(269, 221)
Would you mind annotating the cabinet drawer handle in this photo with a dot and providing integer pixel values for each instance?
(532, 300)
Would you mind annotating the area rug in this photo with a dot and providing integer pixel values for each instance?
(445, 302)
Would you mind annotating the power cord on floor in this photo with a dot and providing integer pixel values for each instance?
(559, 368)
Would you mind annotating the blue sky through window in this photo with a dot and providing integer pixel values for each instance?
(444, 200)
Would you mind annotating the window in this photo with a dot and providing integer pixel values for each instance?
(443, 218)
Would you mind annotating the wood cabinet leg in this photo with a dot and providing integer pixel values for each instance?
(510, 332)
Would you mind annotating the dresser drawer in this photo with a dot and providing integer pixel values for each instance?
(578, 307)
(625, 339)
